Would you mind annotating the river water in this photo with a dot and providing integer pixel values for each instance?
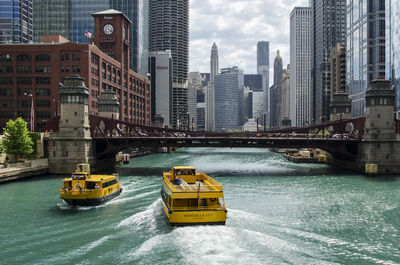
(278, 213)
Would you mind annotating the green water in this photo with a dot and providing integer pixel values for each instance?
(278, 213)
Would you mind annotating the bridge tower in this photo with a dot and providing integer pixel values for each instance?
(379, 151)
(72, 144)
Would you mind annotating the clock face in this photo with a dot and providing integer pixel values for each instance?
(108, 29)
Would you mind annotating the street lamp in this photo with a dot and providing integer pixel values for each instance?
(32, 115)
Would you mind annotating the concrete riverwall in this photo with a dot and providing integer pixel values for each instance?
(23, 170)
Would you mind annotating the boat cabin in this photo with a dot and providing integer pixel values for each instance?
(188, 174)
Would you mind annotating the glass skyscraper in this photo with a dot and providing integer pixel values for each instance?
(138, 12)
(52, 17)
(16, 24)
(328, 27)
(365, 49)
(229, 92)
(263, 69)
(393, 44)
(82, 19)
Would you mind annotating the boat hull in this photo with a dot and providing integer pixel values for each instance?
(195, 217)
(92, 201)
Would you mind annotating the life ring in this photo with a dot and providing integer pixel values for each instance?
(213, 199)
(79, 185)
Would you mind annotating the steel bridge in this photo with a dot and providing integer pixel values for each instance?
(339, 138)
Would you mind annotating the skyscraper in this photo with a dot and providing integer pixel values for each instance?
(52, 17)
(160, 68)
(138, 12)
(275, 92)
(328, 27)
(169, 30)
(393, 44)
(300, 66)
(229, 91)
(210, 91)
(16, 24)
(365, 49)
(263, 69)
(82, 20)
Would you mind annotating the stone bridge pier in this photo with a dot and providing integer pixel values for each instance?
(73, 143)
(379, 150)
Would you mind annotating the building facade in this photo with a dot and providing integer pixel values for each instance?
(229, 90)
(52, 17)
(16, 21)
(210, 92)
(263, 69)
(38, 69)
(300, 67)
(160, 66)
(365, 49)
(328, 27)
(340, 104)
(254, 82)
(276, 93)
(169, 30)
(195, 85)
(285, 106)
(393, 44)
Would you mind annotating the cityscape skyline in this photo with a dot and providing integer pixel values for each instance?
(236, 28)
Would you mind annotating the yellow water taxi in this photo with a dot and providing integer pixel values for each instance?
(84, 189)
(191, 198)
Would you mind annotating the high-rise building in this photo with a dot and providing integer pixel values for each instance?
(328, 27)
(300, 67)
(275, 93)
(52, 17)
(229, 90)
(138, 12)
(82, 20)
(340, 105)
(210, 91)
(365, 49)
(285, 105)
(16, 21)
(160, 67)
(393, 44)
(169, 30)
(263, 69)
(201, 110)
(254, 82)
(195, 84)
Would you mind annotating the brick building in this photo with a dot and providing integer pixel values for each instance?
(34, 71)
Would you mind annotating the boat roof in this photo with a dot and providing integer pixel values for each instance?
(183, 167)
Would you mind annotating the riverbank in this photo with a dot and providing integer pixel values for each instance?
(23, 170)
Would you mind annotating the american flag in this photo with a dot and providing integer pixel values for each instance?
(88, 34)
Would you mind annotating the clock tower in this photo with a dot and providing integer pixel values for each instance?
(111, 35)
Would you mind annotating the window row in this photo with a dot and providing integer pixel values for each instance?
(25, 58)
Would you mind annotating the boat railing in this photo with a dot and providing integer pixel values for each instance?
(194, 208)
(69, 191)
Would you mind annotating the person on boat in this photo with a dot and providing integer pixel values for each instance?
(177, 181)
(96, 187)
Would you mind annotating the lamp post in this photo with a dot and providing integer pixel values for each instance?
(32, 115)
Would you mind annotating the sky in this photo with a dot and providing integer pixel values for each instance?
(236, 26)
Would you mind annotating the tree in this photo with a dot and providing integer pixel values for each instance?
(16, 138)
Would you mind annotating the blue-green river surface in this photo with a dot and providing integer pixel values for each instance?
(278, 213)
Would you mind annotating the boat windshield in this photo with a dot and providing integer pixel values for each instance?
(79, 176)
(180, 172)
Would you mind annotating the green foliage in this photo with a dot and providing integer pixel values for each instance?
(16, 138)
(34, 137)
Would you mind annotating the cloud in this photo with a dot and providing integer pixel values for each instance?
(236, 26)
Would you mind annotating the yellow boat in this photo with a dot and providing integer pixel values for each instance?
(85, 189)
(191, 198)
